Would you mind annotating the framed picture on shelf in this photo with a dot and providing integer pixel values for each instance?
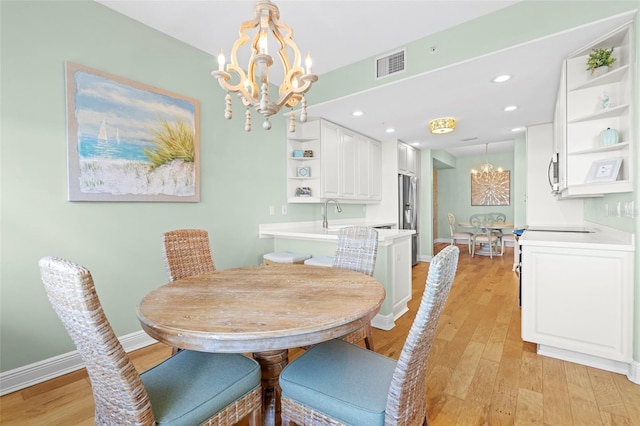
(605, 170)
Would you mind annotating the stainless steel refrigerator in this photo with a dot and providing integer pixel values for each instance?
(408, 210)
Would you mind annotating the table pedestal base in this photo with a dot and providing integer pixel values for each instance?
(271, 364)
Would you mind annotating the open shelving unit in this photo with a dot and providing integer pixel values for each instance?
(585, 115)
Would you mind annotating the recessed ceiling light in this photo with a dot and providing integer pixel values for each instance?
(517, 129)
(501, 78)
(390, 130)
(357, 113)
(511, 108)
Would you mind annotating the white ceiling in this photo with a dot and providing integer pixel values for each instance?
(339, 33)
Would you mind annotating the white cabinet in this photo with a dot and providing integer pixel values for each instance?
(331, 164)
(586, 114)
(345, 165)
(577, 298)
(349, 159)
(375, 170)
(407, 159)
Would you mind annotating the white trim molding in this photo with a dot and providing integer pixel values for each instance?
(41, 371)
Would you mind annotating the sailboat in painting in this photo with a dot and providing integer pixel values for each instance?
(102, 134)
(103, 147)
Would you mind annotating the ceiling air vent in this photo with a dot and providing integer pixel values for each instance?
(390, 64)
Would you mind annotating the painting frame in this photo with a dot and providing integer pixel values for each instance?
(129, 141)
(491, 188)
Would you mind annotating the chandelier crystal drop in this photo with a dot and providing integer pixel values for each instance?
(440, 126)
(251, 84)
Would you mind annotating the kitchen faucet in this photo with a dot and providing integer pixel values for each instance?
(325, 221)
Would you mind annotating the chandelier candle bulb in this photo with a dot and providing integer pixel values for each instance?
(221, 61)
(308, 62)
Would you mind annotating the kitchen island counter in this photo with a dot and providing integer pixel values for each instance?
(314, 230)
(393, 261)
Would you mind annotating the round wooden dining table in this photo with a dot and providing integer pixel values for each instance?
(263, 310)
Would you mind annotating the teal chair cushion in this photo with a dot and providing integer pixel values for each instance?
(341, 380)
(190, 386)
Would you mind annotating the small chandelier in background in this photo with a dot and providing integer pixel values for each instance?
(487, 167)
(440, 126)
(252, 84)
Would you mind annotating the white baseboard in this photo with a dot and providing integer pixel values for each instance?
(41, 371)
(631, 370)
(383, 322)
(634, 372)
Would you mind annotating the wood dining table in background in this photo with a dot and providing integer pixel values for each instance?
(264, 310)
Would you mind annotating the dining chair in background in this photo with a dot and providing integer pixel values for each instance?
(482, 233)
(187, 388)
(458, 235)
(357, 250)
(338, 383)
(187, 252)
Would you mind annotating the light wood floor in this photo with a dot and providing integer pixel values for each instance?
(481, 372)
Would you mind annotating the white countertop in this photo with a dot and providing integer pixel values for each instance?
(601, 238)
(314, 231)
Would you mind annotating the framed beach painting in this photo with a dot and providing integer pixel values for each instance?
(127, 141)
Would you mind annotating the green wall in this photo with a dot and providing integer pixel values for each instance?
(454, 190)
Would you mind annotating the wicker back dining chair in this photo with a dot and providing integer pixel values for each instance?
(188, 388)
(357, 250)
(458, 235)
(482, 233)
(337, 383)
(186, 253)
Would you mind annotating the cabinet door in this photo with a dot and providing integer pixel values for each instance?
(579, 300)
(375, 170)
(411, 161)
(402, 158)
(330, 161)
(349, 163)
(363, 159)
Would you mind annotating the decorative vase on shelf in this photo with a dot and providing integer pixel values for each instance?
(597, 72)
(608, 137)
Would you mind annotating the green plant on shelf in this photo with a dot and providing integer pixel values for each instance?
(600, 58)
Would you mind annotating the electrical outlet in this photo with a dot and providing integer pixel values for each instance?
(272, 210)
(284, 210)
(628, 209)
(619, 209)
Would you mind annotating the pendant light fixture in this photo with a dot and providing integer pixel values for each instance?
(252, 83)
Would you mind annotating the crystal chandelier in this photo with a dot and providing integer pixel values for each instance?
(252, 83)
(487, 167)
